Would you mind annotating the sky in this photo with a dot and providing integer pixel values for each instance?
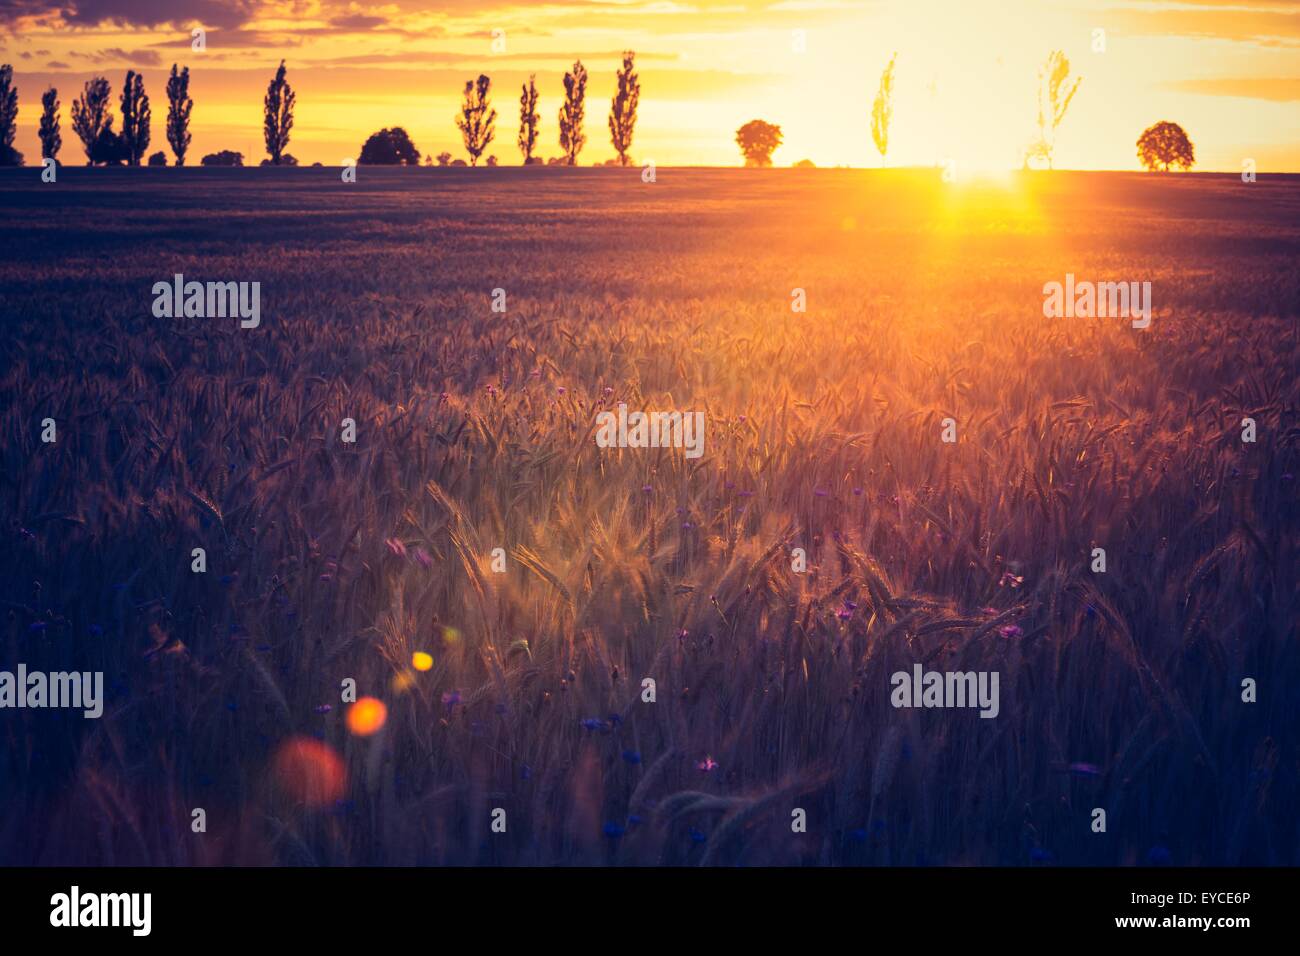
(966, 75)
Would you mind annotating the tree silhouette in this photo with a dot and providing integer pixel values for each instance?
(135, 118)
(278, 119)
(51, 139)
(572, 138)
(8, 118)
(90, 115)
(757, 140)
(1037, 150)
(528, 119)
(882, 110)
(477, 119)
(389, 147)
(1055, 91)
(179, 106)
(226, 157)
(622, 109)
(158, 159)
(110, 148)
(444, 158)
(1165, 144)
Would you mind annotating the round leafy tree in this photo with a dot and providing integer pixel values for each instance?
(390, 147)
(757, 140)
(1164, 145)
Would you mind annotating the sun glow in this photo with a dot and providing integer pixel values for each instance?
(965, 84)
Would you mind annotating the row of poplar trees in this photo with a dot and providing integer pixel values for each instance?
(92, 117)
(477, 119)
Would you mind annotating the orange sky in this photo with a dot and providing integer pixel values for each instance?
(1229, 73)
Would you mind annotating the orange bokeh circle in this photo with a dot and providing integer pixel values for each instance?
(309, 772)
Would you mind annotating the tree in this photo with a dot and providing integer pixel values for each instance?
(158, 159)
(286, 159)
(882, 110)
(179, 105)
(1165, 144)
(227, 157)
(278, 118)
(1055, 91)
(757, 140)
(389, 147)
(110, 148)
(8, 118)
(444, 158)
(90, 115)
(1037, 151)
(51, 140)
(622, 110)
(477, 119)
(135, 118)
(528, 119)
(492, 161)
(571, 113)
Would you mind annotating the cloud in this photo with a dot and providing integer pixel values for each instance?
(118, 55)
(357, 21)
(809, 5)
(561, 61)
(12, 10)
(276, 39)
(237, 40)
(1265, 26)
(133, 13)
(1276, 89)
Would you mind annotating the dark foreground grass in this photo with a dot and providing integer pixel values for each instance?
(1120, 691)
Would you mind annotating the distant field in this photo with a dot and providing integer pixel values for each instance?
(1119, 690)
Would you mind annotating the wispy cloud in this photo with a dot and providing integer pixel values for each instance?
(1269, 25)
(137, 13)
(1277, 89)
(118, 55)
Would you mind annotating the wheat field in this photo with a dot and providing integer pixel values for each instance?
(330, 560)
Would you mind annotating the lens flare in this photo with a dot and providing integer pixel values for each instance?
(309, 772)
(367, 716)
(421, 661)
(402, 681)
